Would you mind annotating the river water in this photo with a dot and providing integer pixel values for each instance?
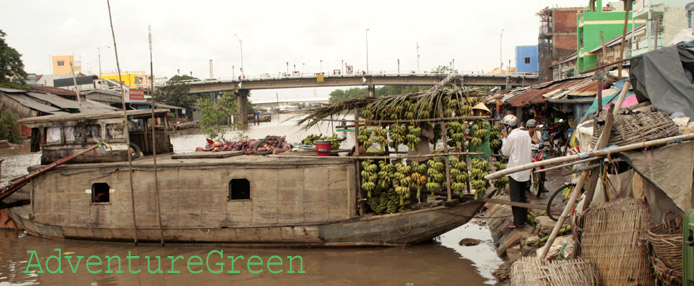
(439, 262)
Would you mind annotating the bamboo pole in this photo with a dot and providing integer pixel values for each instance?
(357, 166)
(602, 142)
(126, 132)
(77, 88)
(446, 119)
(154, 140)
(622, 95)
(598, 153)
(446, 159)
(576, 191)
(565, 165)
(624, 36)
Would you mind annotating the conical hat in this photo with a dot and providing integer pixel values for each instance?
(481, 106)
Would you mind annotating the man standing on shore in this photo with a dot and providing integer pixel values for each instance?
(516, 145)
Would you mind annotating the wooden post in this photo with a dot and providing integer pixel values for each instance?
(447, 160)
(624, 36)
(126, 133)
(77, 88)
(154, 142)
(357, 163)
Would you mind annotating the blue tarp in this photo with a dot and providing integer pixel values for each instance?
(607, 99)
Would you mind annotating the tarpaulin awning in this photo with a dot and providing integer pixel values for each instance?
(664, 77)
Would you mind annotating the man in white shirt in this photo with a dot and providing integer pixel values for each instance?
(516, 145)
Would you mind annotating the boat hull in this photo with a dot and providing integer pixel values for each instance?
(379, 230)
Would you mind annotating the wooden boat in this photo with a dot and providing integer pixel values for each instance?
(219, 198)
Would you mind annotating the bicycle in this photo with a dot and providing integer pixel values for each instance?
(537, 180)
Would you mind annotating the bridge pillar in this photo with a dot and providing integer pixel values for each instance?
(242, 103)
(508, 83)
(372, 90)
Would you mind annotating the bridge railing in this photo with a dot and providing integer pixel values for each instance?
(357, 74)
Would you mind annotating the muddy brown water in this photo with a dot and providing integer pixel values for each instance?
(439, 262)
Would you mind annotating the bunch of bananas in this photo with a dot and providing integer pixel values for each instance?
(311, 139)
(495, 137)
(412, 139)
(435, 174)
(418, 180)
(500, 183)
(480, 168)
(364, 135)
(459, 175)
(397, 135)
(456, 131)
(380, 136)
(369, 176)
(402, 181)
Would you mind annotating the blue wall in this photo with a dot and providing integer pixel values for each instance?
(523, 52)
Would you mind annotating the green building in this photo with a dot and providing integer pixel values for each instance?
(609, 20)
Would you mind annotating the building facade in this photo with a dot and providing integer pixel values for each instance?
(61, 64)
(608, 20)
(663, 18)
(526, 60)
(557, 38)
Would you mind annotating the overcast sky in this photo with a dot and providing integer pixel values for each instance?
(187, 34)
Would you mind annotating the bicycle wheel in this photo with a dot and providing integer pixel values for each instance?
(536, 184)
(557, 201)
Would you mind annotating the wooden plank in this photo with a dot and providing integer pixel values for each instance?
(516, 204)
(203, 155)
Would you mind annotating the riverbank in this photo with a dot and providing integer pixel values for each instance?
(512, 244)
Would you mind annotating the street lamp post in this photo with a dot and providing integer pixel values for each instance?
(501, 61)
(342, 68)
(241, 46)
(367, 50)
(303, 68)
(321, 66)
(287, 68)
(232, 72)
(417, 57)
(99, 52)
(398, 66)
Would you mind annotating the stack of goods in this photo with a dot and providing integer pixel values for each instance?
(666, 242)
(267, 145)
(633, 127)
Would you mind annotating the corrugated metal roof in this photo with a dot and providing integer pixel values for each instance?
(81, 116)
(53, 90)
(55, 100)
(30, 103)
(12, 90)
(540, 95)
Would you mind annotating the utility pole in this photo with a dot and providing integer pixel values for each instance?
(501, 61)
(99, 51)
(241, 46)
(417, 57)
(367, 50)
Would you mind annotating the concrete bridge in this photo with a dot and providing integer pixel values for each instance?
(243, 86)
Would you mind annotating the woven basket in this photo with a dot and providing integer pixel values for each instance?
(612, 240)
(636, 127)
(666, 241)
(532, 271)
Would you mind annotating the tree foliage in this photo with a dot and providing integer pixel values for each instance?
(216, 115)
(11, 65)
(340, 95)
(176, 93)
(9, 128)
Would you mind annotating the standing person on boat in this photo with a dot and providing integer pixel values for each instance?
(480, 110)
(516, 145)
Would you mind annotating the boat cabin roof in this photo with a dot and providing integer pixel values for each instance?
(144, 113)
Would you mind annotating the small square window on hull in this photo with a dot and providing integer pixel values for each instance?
(100, 193)
(239, 189)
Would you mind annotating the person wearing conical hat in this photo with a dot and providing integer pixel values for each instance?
(480, 110)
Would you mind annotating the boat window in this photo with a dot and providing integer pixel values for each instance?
(100, 193)
(73, 134)
(239, 189)
(93, 132)
(114, 131)
(53, 135)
